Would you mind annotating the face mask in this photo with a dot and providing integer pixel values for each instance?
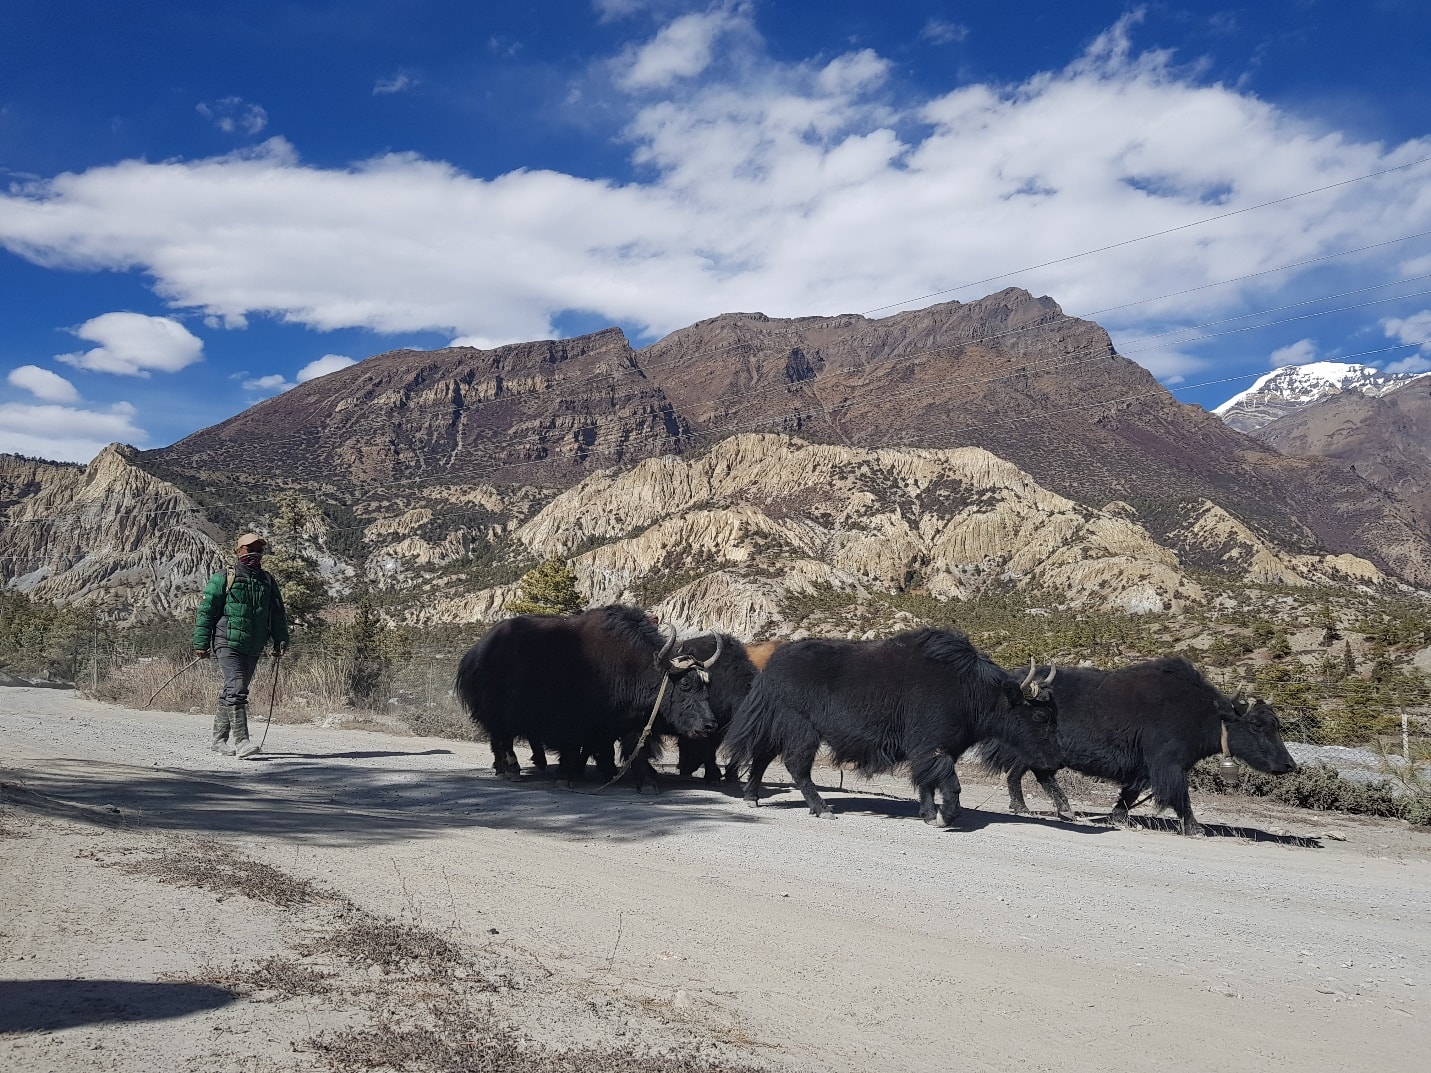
(251, 559)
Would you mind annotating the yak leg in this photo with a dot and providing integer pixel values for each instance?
(935, 768)
(572, 765)
(1170, 788)
(1017, 805)
(539, 755)
(732, 772)
(641, 769)
(1127, 798)
(799, 759)
(1049, 782)
(758, 763)
(504, 758)
(693, 753)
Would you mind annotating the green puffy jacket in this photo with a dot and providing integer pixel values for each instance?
(241, 610)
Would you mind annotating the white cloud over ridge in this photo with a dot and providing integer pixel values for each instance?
(133, 344)
(43, 384)
(66, 433)
(328, 363)
(793, 189)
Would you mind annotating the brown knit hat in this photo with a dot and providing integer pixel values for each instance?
(249, 539)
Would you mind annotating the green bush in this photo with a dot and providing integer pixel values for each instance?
(1320, 786)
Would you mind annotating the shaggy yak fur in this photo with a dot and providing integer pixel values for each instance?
(1145, 726)
(920, 698)
(731, 678)
(578, 685)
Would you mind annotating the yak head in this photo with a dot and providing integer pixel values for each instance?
(1254, 735)
(687, 707)
(1031, 724)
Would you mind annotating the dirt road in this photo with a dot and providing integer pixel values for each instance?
(866, 942)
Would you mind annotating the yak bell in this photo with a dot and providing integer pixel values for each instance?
(1229, 771)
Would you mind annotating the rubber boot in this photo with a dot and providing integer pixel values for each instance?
(243, 748)
(221, 732)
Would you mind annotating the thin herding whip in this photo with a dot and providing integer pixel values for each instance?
(272, 696)
(173, 678)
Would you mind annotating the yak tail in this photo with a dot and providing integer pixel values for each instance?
(753, 726)
(468, 685)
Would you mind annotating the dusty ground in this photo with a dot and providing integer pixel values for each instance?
(163, 907)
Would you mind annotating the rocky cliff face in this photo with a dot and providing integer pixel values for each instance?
(108, 534)
(719, 540)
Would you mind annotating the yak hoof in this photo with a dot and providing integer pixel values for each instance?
(948, 819)
(510, 776)
(1018, 809)
(1194, 830)
(752, 802)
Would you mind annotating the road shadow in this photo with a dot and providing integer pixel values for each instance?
(1221, 830)
(844, 802)
(50, 1005)
(269, 756)
(332, 803)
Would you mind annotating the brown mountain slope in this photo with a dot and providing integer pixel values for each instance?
(1385, 440)
(1012, 374)
(457, 414)
(1009, 373)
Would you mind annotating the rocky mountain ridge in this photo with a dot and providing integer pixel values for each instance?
(944, 450)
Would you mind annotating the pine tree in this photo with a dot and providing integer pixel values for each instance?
(304, 591)
(549, 589)
(1348, 661)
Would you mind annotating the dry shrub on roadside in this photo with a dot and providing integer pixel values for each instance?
(459, 1039)
(393, 947)
(283, 975)
(219, 869)
(1320, 786)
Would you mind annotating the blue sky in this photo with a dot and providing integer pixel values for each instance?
(201, 205)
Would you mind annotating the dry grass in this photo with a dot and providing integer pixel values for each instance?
(219, 869)
(284, 976)
(455, 1038)
(395, 947)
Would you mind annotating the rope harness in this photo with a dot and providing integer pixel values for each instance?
(680, 663)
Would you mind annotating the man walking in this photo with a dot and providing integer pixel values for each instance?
(240, 612)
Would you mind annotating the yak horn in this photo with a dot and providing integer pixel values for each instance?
(715, 655)
(670, 641)
(1052, 670)
(1029, 677)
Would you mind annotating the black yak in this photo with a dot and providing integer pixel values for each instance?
(921, 698)
(1145, 726)
(578, 685)
(731, 679)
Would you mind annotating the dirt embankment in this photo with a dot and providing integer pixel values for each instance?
(357, 898)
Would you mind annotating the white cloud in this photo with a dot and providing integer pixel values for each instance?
(234, 115)
(1302, 352)
(792, 189)
(66, 433)
(328, 363)
(396, 84)
(1417, 363)
(272, 384)
(681, 49)
(43, 384)
(1415, 329)
(131, 344)
(944, 32)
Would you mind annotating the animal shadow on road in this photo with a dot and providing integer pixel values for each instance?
(268, 757)
(871, 803)
(1223, 830)
(336, 803)
(50, 1005)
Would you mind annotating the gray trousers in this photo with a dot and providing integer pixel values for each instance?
(238, 673)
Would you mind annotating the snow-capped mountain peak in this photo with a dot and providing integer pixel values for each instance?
(1293, 387)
